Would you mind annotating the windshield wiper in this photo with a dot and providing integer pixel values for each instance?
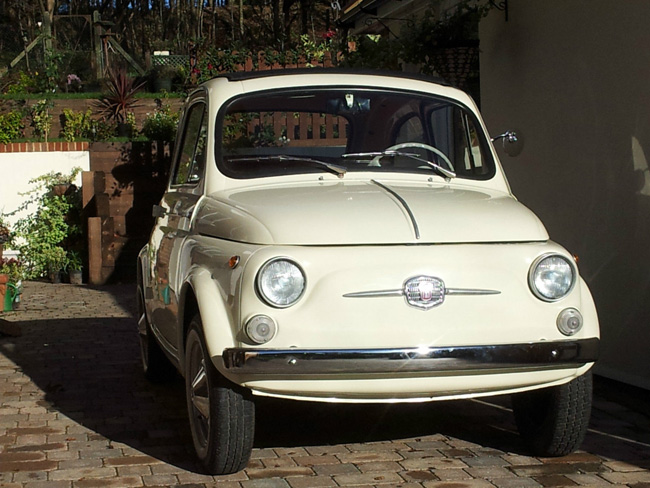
(378, 154)
(333, 168)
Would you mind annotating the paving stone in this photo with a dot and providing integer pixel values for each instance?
(432, 463)
(544, 470)
(456, 484)
(160, 480)
(279, 472)
(426, 453)
(380, 466)
(311, 482)
(419, 476)
(27, 465)
(622, 467)
(628, 477)
(11, 456)
(48, 484)
(131, 460)
(588, 480)
(335, 469)
(490, 472)
(482, 461)
(266, 483)
(26, 476)
(367, 479)
(122, 482)
(369, 457)
(81, 473)
(316, 460)
(554, 480)
(279, 462)
(517, 482)
(451, 474)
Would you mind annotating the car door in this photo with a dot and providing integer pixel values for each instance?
(174, 221)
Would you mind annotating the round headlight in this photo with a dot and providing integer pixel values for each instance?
(280, 282)
(551, 277)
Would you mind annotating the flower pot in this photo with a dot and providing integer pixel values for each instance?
(160, 84)
(55, 276)
(75, 277)
(123, 130)
(61, 189)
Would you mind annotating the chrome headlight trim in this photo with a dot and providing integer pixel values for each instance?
(565, 289)
(292, 297)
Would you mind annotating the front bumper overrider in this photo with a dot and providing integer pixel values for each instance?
(421, 360)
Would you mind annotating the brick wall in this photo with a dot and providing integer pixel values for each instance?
(119, 191)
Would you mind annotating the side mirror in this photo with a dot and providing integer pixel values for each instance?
(512, 141)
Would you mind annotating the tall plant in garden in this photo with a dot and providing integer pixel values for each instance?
(41, 118)
(43, 237)
(119, 97)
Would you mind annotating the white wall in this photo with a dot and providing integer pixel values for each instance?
(16, 169)
(574, 77)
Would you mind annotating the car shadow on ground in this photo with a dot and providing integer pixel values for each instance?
(89, 371)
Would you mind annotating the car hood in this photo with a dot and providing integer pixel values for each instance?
(367, 212)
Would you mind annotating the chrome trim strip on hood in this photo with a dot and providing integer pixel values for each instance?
(400, 293)
(501, 358)
(404, 204)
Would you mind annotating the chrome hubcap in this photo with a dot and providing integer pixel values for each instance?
(199, 396)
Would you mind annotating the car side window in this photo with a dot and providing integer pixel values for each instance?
(191, 155)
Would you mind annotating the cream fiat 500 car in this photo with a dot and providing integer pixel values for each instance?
(346, 237)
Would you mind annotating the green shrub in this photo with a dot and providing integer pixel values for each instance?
(41, 118)
(162, 124)
(11, 126)
(24, 83)
(77, 125)
(43, 236)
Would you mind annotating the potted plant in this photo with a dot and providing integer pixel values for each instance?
(163, 77)
(4, 235)
(119, 98)
(11, 276)
(74, 267)
(446, 44)
(55, 259)
(162, 124)
(43, 235)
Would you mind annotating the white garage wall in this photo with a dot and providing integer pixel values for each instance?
(574, 77)
(16, 169)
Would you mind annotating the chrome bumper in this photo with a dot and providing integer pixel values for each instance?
(499, 358)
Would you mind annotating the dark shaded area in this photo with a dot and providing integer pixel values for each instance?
(129, 180)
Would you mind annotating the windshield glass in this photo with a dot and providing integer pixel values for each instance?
(349, 130)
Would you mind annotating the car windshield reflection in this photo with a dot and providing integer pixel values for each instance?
(285, 132)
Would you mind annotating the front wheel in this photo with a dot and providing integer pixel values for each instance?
(222, 415)
(553, 421)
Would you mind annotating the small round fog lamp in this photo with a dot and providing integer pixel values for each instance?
(260, 329)
(569, 321)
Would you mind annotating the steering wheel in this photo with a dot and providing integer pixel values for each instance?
(421, 145)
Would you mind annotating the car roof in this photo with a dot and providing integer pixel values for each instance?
(250, 75)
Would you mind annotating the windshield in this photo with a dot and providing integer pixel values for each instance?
(349, 130)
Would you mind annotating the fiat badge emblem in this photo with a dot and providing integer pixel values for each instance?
(424, 292)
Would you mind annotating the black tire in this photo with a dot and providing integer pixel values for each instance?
(553, 421)
(222, 415)
(155, 365)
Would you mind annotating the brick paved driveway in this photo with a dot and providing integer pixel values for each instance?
(75, 411)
